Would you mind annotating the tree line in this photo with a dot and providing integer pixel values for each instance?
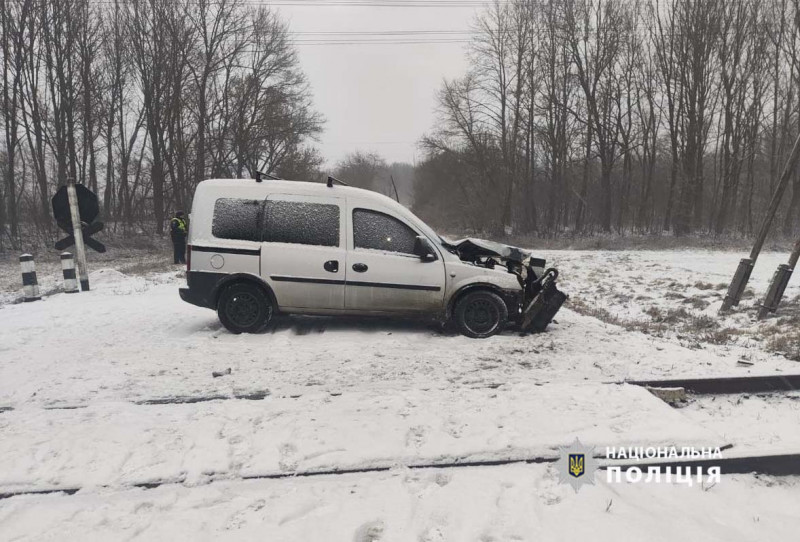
(575, 116)
(141, 99)
(370, 171)
(618, 116)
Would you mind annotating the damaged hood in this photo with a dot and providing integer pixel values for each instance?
(470, 249)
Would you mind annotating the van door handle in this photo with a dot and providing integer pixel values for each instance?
(360, 267)
(331, 266)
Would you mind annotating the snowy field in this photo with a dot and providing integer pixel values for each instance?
(677, 294)
(119, 409)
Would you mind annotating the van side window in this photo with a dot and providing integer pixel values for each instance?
(379, 231)
(302, 223)
(237, 219)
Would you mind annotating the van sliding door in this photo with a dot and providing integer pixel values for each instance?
(303, 254)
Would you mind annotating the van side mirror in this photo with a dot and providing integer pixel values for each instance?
(423, 249)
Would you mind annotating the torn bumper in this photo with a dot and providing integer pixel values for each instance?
(539, 311)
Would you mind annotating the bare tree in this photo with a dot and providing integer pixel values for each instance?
(13, 22)
(595, 32)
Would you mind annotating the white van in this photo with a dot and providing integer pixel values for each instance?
(257, 249)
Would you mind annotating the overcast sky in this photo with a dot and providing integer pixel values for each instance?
(378, 97)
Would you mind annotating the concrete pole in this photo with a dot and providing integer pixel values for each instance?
(778, 285)
(742, 275)
(30, 285)
(77, 232)
(68, 270)
(795, 257)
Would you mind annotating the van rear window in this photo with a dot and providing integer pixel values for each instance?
(237, 219)
(302, 223)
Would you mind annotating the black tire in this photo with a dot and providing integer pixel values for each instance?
(244, 308)
(480, 314)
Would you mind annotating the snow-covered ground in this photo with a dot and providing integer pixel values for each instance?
(110, 393)
(514, 503)
(678, 294)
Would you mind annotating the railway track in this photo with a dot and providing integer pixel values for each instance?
(736, 384)
(785, 464)
(771, 464)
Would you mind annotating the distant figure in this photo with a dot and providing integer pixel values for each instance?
(178, 231)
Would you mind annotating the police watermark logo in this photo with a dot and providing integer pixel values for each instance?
(576, 465)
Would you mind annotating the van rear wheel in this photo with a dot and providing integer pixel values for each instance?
(480, 314)
(244, 308)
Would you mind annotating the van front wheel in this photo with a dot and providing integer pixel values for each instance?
(480, 314)
(244, 308)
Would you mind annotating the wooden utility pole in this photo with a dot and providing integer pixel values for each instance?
(742, 275)
(394, 187)
(77, 232)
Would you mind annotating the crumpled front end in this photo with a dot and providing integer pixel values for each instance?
(541, 298)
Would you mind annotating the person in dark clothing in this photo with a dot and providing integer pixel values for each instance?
(178, 230)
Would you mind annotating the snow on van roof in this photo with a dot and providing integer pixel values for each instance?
(251, 188)
(299, 187)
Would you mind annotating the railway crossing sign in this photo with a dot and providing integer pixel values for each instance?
(88, 209)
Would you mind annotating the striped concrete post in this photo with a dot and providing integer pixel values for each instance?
(68, 269)
(30, 286)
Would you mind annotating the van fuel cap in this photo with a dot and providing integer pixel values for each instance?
(217, 261)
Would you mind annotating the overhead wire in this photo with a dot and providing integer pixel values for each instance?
(335, 3)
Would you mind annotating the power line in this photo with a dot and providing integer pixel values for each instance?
(388, 33)
(380, 42)
(435, 40)
(380, 3)
(340, 3)
(380, 37)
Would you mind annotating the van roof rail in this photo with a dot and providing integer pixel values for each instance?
(260, 174)
(332, 180)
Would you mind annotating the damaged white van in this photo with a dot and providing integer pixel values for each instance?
(258, 249)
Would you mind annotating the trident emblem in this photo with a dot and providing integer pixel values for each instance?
(576, 465)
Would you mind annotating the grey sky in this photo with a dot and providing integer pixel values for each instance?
(377, 97)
